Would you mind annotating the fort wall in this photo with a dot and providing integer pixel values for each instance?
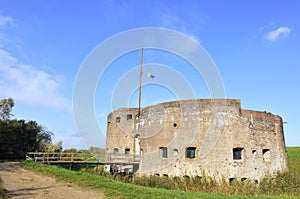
(192, 137)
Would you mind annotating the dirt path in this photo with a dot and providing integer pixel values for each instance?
(22, 183)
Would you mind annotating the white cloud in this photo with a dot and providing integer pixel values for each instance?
(30, 85)
(101, 115)
(275, 34)
(172, 21)
(5, 20)
(176, 23)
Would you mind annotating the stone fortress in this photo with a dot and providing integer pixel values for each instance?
(193, 137)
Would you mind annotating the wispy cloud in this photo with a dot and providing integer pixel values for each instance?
(172, 21)
(275, 34)
(5, 20)
(30, 85)
(176, 23)
(101, 115)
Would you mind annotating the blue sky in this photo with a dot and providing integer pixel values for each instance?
(255, 45)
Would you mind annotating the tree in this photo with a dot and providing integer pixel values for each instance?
(6, 106)
(96, 150)
(70, 150)
(17, 137)
(52, 148)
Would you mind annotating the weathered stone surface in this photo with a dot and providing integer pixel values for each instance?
(215, 130)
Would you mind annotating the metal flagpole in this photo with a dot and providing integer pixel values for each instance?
(141, 79)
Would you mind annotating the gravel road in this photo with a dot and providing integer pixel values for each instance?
(22, 183)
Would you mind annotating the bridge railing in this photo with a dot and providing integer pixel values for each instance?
(63, 157)
(122, 158)
(82, 158)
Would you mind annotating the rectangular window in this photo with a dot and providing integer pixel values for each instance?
(129, 116)
(237, 153)
(190, 152)
(243, 179)
(118, 119)
(175, 152)
(231, 180)
(254, 153)
(163, 152)
(127, 151)
(116, 150)
(266, 155)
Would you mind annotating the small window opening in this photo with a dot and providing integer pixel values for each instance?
(118, 119)
(254, 153)
(243, 179)
(127, 151)
(116, 150)
(157, 174)
(129, 116)
(190, 152)
(186, 177)
(251, 122)
(266, 155)
(237, 153)
(164, 152)
(174, 124)
(175, 152)
(251, 126)
(231, 180)
(165, 175)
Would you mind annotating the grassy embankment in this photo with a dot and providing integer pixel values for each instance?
(289, 184)
(293, 154)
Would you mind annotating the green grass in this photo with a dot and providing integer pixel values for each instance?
(289, 183)
(113, 189)
(293, 154)
(91, 157)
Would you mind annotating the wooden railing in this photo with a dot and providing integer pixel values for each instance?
(82, 158)
(56, 158)
(122, 158)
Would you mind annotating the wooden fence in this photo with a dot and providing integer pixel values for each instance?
(61, 158)
(82, 158)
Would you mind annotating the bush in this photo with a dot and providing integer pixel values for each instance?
(285, 184)
(282, 184)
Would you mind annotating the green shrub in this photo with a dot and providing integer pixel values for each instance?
(283, 184)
